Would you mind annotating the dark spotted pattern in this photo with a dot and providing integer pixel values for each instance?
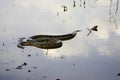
(46, 41)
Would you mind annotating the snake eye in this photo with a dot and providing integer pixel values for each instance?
(22, 39)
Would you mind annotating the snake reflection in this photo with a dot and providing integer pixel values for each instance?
(46, 41)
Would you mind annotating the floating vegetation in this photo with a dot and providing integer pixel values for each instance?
(1, 50)
(24, 64)
(80, 4)
(29, 55)
(29, 70)
(4, 30)
(118, 74)
(92, 29)
(44, 76)
(84, 3)
(57, 13)
(20, 66)
(74, 64)
(65, 8)
(7, 70)
(36, 54)
(57, 79)
(35, 67)
(74, 3)
(3, 44)
(62, 57)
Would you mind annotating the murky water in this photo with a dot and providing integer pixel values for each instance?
(93, 57)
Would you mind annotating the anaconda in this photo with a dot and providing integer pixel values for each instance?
(46, 41)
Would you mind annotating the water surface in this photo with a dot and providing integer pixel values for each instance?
(93, 57)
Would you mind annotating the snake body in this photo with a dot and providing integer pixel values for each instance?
(59, 37)
(47, 41)
(43, 43)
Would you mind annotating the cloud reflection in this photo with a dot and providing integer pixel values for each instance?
(94, 57)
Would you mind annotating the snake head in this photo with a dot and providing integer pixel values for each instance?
(77, 31)
(21, 42)
(20, 46)
(23, 39)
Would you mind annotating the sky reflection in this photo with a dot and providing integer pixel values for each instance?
(93, 57)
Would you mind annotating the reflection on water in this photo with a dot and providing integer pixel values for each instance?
(93, 57)
(46, 41)
(66, 63)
